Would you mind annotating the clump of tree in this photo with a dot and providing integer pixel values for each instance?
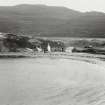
(55, 45)
(13, 42)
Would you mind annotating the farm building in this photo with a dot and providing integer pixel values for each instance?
(69, 49)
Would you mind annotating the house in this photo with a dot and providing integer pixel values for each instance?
(69, 49)
(48, 48)
(35, 44)
(39, 49)
(57, 46)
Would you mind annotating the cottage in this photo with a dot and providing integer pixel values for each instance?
(69, 49)
(39, 49)
(49, 48)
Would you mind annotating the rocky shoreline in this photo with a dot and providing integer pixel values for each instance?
(90, 58)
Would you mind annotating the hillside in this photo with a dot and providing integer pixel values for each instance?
(90, 24)
(54, 21)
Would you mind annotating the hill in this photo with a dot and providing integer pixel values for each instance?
(45, 20)
(90, 24)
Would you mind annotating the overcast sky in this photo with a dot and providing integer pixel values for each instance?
(81, 5)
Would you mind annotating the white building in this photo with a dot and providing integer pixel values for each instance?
(69, 49)
(39, 49)
(49, 48)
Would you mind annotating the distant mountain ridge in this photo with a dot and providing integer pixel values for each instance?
(51, 21)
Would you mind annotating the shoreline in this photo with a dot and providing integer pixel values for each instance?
(52, 54)
(90, 58)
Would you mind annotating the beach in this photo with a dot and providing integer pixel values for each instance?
(51, 81)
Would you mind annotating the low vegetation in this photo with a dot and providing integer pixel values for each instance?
(17, 43)
(22, 43)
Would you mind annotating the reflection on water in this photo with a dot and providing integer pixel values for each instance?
(45, 81)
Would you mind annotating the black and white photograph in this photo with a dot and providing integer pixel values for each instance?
(52, 52)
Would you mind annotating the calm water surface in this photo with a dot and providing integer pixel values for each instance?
(46, 81)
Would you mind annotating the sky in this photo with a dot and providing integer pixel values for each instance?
(80, 5)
